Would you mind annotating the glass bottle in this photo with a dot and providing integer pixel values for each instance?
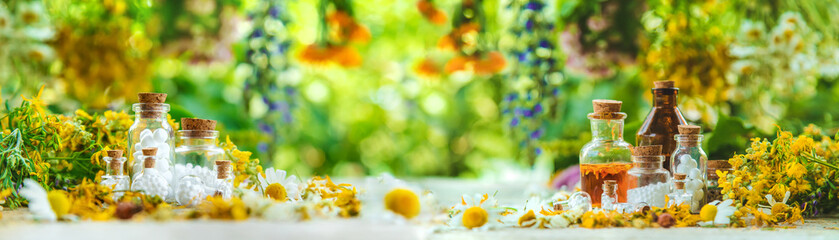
(113, 173)
(151, 130)
(149, 180)
(713, 190)
(224, 179)
(662, 123)
(195, 160)
(607, 156)
(680, 195)
(609, 199)
(648, 181)
(691, 160)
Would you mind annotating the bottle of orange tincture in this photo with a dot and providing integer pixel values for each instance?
(607, 156)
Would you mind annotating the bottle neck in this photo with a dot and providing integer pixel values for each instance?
(189, 141)
(665, 97)
(689, 141)
(150, 112)
(648, 162)
(607, 129)
(114, 166)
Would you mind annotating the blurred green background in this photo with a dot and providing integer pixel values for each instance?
(745, 68)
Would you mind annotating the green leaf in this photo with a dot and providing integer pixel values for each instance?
(730, 135)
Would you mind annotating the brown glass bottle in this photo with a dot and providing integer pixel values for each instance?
(662, 124)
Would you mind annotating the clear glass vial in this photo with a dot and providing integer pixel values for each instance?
(149, 180)
(224, 179)
(680, 195)
(690, 159)
(607, 156)
(151, 130)
(648, 181)
(114, 176)
(609, 199)
(195, 160)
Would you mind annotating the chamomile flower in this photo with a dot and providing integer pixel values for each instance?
(39, 52)
(6, 21)
(45, 206)
(286, 211)
(775, 207)
(275, 184)
(388, 198)
(717, 213)
(476, 212)
(32, 13)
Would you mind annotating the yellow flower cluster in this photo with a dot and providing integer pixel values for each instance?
(245, 169)
(343, 196)
(798, 165)
(219, 208)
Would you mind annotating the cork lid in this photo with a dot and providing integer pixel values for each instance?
(196, 124)
(680, 176)
(718, 164)
(689, 129)
(609, 186)
(651, 150)
(147, 97)
(223, 169)
(606, 105)
(149, 151)
(114, 153)
(679, 185)
(664, 84)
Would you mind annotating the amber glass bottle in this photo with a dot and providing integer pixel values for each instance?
(607, 156)
(662, 124)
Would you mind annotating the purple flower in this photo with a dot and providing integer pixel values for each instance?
(567, 178)
(511, 97)
(523, 57)
(529, 25)
(274, 11)
(535, 5)
(537, 151)
(537, 108)
(536, 134)
(257, 33)
(262, 147)
(514, 122)
(265, 128)
(545, 44)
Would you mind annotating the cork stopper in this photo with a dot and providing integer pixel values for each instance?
(196, 124)
(606, 106)
(680, 176)
(147, 97)
(557, 207)
(679, 185)
(664, 84)
(718, 164)
(689, 130)
(149, 151)
(114, 154)
(651, 150)
(610, 186)
(223, 169)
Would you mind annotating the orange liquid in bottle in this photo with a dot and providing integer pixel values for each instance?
(593, 176)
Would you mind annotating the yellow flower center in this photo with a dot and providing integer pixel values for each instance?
(475, 217)
(277, 192)
(526, 220)
(779, 208)
(708, 212)
(403, 202)
(29, 17)
(59, 202)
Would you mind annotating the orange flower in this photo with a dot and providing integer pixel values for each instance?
(455, 40)
(346, 56)
(446, 43)
(315, 54)
(344, 27)
(428, 68)
(492, 63)
(432, 14)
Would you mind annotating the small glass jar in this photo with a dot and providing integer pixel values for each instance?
(114, 176)
(224, 179)
(713, 190)
(195, 162)
(149, 180)
(609, 199)
(607, 156)
(690, 159)
(648, 181)
(679, 195)
(151, 130)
